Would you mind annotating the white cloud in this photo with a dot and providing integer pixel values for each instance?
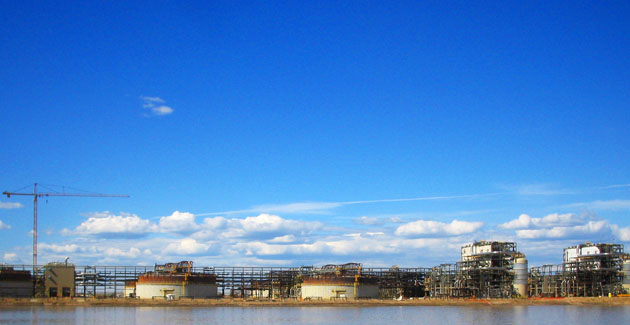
(539, 189)
(155, 105)
(622, 234)
(59, 249)
(10, 258)
(106, 224)
(300, 207)
(603, 205)
(267, 223)
(436, 228)
(186, 246)
(110, 252)
(369, 221)
(395, 220)
(178, 222)
(565, 226)
(524, 221)
(325, 207)
(152, 100)
(590, 228)
(10, 205)
(4, 225)
(263, 225)
(283, 239)
(347, 245)
(162, 110)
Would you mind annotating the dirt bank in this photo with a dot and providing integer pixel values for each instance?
(615, 301)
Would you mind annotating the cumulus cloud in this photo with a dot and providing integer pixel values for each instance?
(524, 221)
(106, 224)
(283, 239)
(4, 225)
(59, 249)
(10, 205)
(186, 246)
(351, 245)
(588, 229)
(565, 226)
(178, 222)
(435, 228)
(261, 226)
(156, 105)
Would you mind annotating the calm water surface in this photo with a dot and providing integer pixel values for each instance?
(318, 315)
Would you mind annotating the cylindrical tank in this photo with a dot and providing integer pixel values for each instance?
(339, 287)
(626, 275)
(520, 276)
(176, 285)
(130, 289)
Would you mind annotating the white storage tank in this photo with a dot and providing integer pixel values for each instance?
(520, 276)
(173, 281)
(339, 287)
(176, 285)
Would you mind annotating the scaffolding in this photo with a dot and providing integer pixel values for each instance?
(597, 273)
(242, 282)
(485, 271)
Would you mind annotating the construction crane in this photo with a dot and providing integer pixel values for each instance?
(36, 195)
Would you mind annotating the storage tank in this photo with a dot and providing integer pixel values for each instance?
(339, 288)
(520, 276)
(173, 281)
(130, 289)
(339, 282)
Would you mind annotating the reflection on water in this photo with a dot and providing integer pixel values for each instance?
(318, 315)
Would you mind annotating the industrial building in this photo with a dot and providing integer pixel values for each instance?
(14, 283)
(587, 270)
(174, 281)
(488, 269)
(344, 282)
(59, 280)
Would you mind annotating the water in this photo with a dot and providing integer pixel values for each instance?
(318, 315)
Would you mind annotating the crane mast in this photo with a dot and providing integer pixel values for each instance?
(36, 195)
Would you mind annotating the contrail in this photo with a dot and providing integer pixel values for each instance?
(323, 207)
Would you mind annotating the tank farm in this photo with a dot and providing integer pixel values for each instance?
(487, 269)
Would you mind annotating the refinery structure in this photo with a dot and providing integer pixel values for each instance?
(487, 269)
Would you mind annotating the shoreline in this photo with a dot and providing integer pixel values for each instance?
(235, 302)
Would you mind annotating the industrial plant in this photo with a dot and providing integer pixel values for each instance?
(486, 269)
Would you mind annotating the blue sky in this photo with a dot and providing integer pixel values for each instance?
(293, 133)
